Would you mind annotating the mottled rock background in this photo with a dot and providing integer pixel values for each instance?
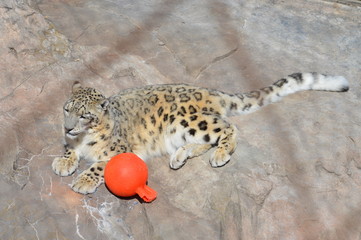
(296, 173)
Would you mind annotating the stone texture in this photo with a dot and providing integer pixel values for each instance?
(296, 173)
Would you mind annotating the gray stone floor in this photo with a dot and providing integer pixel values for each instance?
(296, 173)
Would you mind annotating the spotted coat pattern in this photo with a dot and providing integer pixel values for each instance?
(180, 120)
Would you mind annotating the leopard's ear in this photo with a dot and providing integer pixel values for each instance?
(104, 104)
(76, 86)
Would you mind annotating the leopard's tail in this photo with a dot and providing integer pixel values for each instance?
(244, 103)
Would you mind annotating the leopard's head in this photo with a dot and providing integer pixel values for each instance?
(84, 110)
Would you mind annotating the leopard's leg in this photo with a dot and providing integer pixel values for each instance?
(179, 158)
(90, 179)
(194, 134)
(67, 164)
(226, 146)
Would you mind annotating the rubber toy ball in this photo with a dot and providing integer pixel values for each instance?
(126, 175)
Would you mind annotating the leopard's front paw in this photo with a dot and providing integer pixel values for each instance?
(88, 181)
(65, 166)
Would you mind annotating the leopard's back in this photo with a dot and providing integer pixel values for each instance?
(161, 118)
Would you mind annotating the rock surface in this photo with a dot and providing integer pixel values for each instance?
(296, 173)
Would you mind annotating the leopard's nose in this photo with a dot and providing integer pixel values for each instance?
(67, 130)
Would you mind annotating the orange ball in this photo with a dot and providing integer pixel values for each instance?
(126, 175)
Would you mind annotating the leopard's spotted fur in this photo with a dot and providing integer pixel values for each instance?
(180, 120)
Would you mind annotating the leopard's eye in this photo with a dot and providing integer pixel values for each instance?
(66, 111)
(85, 117)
